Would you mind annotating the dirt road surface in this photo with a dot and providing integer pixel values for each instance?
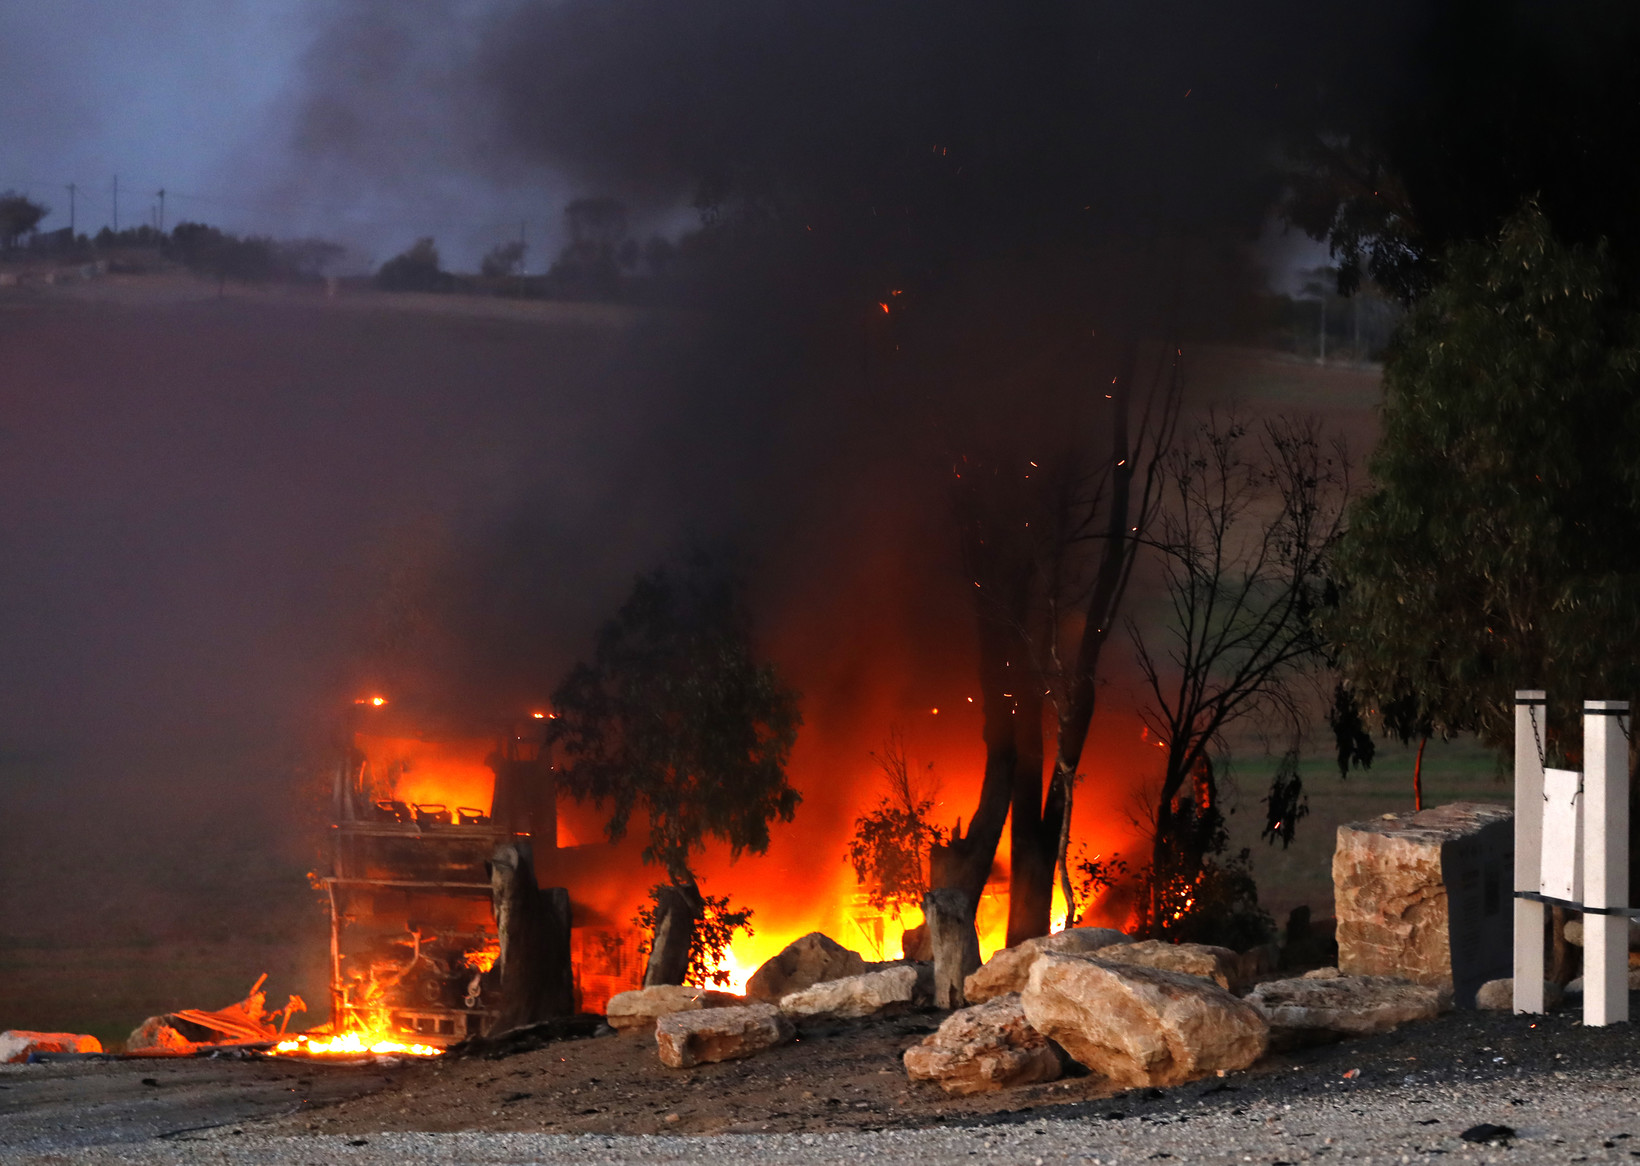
(1567, 1093)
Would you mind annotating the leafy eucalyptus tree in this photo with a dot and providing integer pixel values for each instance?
(676, 718)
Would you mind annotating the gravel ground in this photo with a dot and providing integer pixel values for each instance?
(1568, 1094)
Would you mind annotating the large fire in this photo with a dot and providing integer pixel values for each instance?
(414, 945)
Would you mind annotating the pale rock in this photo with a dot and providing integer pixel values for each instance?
(1218, 964)
(1574, 934)
(1634, 981)
(805, 961)
(720, 1034)
(16, 1044)
(1427, 896)
(983, 1047)
(1313, 1009)
(1137, 1025)
(864, 995)
(641, 1007)
(1499, 995)
(1007, 970)
(158, 1035)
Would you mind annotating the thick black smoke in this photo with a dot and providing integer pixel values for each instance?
(914, 230)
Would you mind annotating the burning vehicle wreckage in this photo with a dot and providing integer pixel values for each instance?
(440, 932)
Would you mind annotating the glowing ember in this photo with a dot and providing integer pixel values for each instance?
(352, 1044)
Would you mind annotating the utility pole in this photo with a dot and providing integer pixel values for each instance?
(116, 204)
(162, 210)
(70, 210)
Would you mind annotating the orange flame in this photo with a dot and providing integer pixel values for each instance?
(352, 1044)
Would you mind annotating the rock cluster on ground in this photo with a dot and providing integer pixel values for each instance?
(642, 1007)
(705, 1035)
(982, 1047)
(1008, 969)
(1326, 1005)
(1138, 1025)
(804, 962)
(863, 995)
(18, 1044)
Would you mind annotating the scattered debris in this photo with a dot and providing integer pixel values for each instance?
(18, 1045)
(1489, 1134)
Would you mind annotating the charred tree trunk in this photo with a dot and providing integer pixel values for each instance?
(1104, 601)
(950, 915)
(1418, 774)
(677, 910)
(533, 925)
(1033, 839)
(1004, 583)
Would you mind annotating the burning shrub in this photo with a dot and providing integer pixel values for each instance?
(889, 849)
(714, 933)
(1194, 893)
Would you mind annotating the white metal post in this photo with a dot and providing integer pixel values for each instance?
(1605, 862)
(1531, 707)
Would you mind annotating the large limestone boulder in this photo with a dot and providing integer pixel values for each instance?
(1008, 969)
(1428, 896)
(720, 1034)
(1141, 1026)
(864, 995)
(1218, 964)
(1313, 1009)
(17, 1044)
(801, 963)
(983, 1047)
(642, 1007)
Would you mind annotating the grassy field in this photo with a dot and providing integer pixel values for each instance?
(1453, 771)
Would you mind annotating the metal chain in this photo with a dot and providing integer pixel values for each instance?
(1543, 760)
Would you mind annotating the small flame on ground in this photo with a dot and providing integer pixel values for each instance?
(353, 1044)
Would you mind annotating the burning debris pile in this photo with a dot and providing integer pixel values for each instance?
(185, 1031)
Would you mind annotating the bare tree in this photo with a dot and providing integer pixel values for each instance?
(1244, 537)
(1050, 549)
(1092, 549)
